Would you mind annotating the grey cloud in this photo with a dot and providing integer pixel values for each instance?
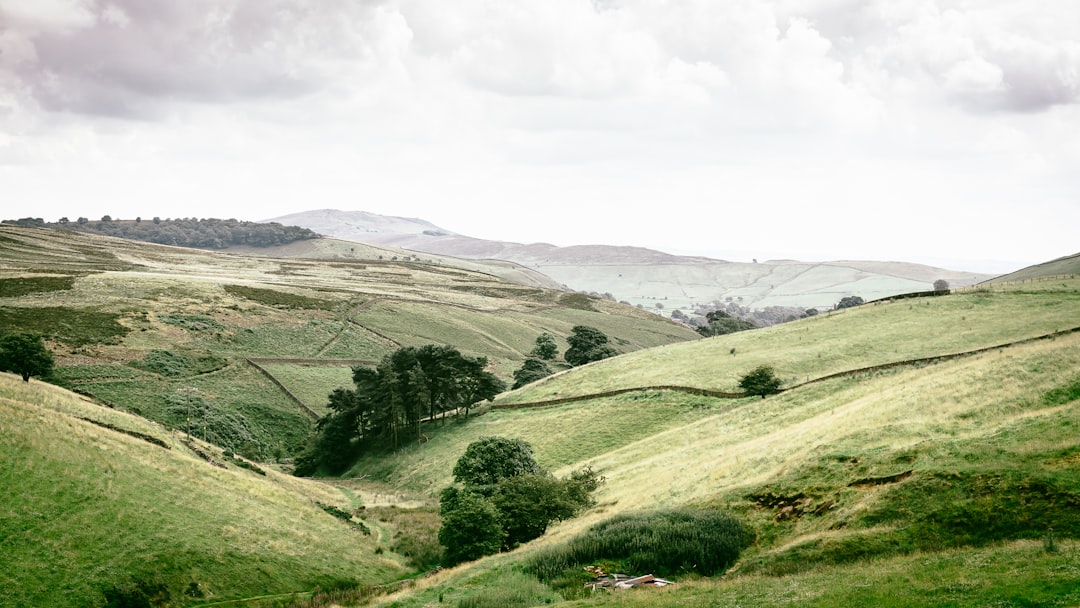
(208, 51)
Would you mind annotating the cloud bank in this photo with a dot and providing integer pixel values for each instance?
(602, 113)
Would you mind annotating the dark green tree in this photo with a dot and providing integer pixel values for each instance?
(390, 403)
(941, 285)
(761, 381)
(849, 302)
(721, 323)
(490, 459)
(545, 348)
(530, 371)
(25, 354)
(471, 526)
(502, 473)
(587, 344)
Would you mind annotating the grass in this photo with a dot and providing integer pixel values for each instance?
(1013, 574)
(84, 509)
(865, 336)
(191, 317)
(312, 384)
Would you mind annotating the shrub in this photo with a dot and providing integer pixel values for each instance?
(662, 543)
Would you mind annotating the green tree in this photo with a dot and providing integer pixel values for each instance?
(849, 302)
(390, 403)
(490, 459)
(761, 381)
(941, 285)
(25, 354)
(545, 348)
(530, 371)
(721, 323)
(471, 526)
(587, 344)
(502, 473)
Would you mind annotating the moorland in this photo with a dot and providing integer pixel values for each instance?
(923, 451)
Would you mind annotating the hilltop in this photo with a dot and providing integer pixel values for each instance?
(652, 279)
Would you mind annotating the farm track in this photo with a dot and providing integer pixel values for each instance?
(844, 374)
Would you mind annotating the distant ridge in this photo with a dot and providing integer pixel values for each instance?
(1066, 265)
(646, 277)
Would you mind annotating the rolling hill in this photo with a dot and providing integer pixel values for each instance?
(907, 445)
(647, 277)
(252, 345)
(924, 450)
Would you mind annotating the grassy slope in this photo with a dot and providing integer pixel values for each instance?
(116, 302)
(990, 441)
(871, 334)
(84, 508)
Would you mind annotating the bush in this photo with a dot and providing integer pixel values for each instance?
(663, 543)
(471, 526)
(761, 381)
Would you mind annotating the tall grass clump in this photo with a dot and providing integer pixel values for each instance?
(666, 543)
(510, 590)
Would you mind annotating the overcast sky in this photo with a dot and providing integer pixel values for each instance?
(932, 131)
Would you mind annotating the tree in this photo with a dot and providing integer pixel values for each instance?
(501, 474)
(531, 371)
(849, 302)
(490, 459)
(761, 381)
(545, 348)
(721, 323)
(390, 403)
(941, 285)
(471, 526)
(26, 355)
(587, 344)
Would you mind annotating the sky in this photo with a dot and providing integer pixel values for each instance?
(933, 131)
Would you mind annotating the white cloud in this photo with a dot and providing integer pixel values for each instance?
(649, 120)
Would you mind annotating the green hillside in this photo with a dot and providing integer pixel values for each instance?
(251, 345)
(903, 474)
(94, 500)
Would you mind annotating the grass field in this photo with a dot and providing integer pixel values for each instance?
(150, 325)
(931, 484)
(947, 480)
(85, 509)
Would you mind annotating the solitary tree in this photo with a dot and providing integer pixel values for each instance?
(26, 355)
(761, 381)
(587, 344)
(941, 285)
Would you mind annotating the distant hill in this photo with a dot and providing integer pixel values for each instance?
(646, 277)
(257, 343)
(1067, 265)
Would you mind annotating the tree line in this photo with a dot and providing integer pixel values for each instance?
(184, 232)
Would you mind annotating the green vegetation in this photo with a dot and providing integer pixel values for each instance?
(68, 325)
(666, 543)
(531, 371)
(506, 499)
(760, 382)
(277, 298)
(389, 402)
(587, 344)
(546, 349)
(719, 323)
(21, 286)
(26, 355)
(85, 510)
(186, 232)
